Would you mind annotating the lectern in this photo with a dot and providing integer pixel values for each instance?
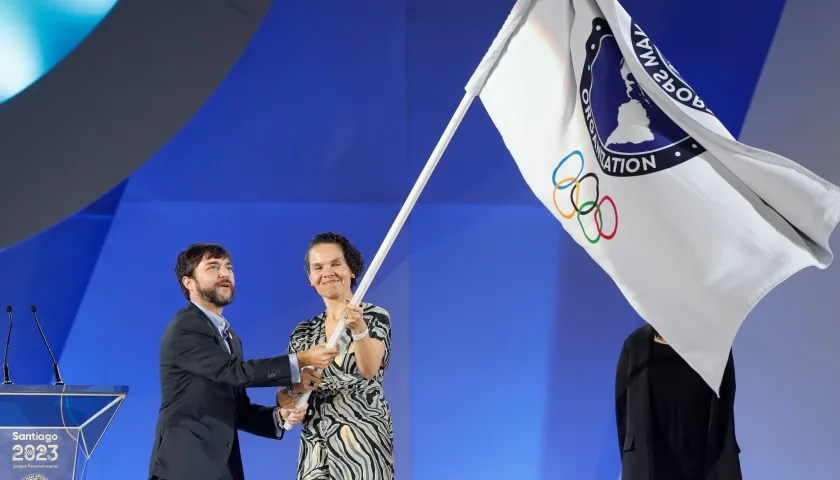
(49, 432)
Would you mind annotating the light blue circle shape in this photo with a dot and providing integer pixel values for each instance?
(35, 35)
(557, 168)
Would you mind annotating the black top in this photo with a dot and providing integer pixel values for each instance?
(634, 413)
(680, 401)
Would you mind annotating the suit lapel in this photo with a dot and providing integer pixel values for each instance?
(235, 344)
(219, 339)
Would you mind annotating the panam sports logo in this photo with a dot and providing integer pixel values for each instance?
(630, 135)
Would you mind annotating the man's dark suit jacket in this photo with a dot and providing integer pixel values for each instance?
(203, 400)
(633, 415)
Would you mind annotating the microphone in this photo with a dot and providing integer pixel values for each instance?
(6, 379)
(56, 373)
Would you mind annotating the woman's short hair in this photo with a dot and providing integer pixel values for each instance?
(352, 255)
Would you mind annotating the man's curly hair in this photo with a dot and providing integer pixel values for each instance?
(352, 255)
(188, 260)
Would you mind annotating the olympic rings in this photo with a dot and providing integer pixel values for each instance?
(582, 209)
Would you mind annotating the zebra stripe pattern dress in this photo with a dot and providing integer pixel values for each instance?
(347, 433)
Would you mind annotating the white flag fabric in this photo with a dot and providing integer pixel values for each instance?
(693, 226)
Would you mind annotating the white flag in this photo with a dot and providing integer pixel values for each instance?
(693, 226)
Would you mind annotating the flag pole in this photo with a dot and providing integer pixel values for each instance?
(473, 89)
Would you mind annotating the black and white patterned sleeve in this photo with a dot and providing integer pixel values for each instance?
(298, 339)
(379, 327)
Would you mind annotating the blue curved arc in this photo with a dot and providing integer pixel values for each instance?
(37, 34)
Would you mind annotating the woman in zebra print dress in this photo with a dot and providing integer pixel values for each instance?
(347, 432)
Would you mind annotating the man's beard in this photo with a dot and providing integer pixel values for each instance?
(212, 296)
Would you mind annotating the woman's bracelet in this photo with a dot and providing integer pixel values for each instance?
(360, 336)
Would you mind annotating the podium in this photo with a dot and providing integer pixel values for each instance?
(49, 432)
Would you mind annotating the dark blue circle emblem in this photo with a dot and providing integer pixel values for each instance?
(630, 135)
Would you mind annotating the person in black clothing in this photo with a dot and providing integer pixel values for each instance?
(671, 425)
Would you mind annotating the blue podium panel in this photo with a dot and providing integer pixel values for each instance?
(46, 429)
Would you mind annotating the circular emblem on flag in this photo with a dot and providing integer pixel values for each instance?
(630, 135)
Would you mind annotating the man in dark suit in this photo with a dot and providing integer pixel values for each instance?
(203, 376)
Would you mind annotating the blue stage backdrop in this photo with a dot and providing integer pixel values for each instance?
(505, 334)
